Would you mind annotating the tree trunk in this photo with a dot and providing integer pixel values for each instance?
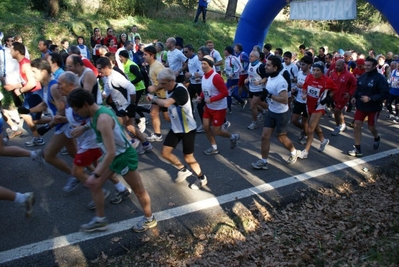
(231, 9)
(53, 8)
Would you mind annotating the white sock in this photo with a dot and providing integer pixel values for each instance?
(14, 128)
(149, 219)
(33, 154)
(215, 147)
(293, 152)
(264, 160)
(120, 187)
(20, 198)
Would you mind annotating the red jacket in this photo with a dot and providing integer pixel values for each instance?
(345, 82)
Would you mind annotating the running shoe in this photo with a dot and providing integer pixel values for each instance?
(293, 158)
(211, 151)
(337, 130)
(182, 175)
(324, 144)
(226, 125)
(253, 125)
(200, 129)
(64, 151)
(303, 155)
(120, 196)
(234, 140)
(376, 143)
(154, 138)
(243, 104)
(29, 202)
(36, 141)
(71, 184)
(142, 149)
(199, 183)
(260, 165)
(143, 225)
(355, 152)
(95, 225)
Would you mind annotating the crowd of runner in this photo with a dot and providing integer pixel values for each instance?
(92, 94)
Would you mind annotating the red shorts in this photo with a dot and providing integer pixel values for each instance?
(88, 157)
(372, 117)
(217, 117)
(312, 110)
(341, 104)
(242, 79)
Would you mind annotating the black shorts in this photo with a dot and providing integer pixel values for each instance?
(163, 109)
(300, 108)
(252, 94)
(277, 121)
(172, 139)
(130, 111)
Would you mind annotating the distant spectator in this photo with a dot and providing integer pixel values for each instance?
(110, 36)
(202, 6)
(122, 40)
(84, 51)
(96, 41)
(54, 49)
(133, 34)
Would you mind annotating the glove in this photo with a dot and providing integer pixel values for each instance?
(44, 129)
(23, 110)
(328, 99)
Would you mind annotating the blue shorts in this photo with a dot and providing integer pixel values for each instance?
(32, 99)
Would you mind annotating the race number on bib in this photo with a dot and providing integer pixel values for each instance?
(313, 91)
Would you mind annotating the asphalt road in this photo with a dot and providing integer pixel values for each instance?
(51, 236)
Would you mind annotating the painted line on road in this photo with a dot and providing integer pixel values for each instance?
(74, 238)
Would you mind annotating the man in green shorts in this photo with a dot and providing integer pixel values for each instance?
(119, 157)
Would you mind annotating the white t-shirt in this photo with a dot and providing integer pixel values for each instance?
(119, 88)
(300, 80)
(275, 85)
(216, 57)
(292, 70)
(176, 59)
(194, 65)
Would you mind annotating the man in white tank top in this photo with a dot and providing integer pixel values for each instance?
(214, 93)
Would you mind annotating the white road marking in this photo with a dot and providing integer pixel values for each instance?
(70, 239)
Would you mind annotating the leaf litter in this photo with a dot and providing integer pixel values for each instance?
(350, 225)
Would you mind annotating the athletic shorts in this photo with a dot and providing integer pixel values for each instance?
(216, 117)
(300, 108)
(242, 79)
(341, 104)
(125, 162)
(188, 139)
(361, 115)
(193, 89)
(315, 109)
(130, 111)
(252, 94)
(231, 85)
(277, 121)
(32, 99)
(88, 157)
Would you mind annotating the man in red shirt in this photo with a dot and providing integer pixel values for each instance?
(346, 86)
(317, 91)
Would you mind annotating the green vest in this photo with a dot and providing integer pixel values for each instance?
(126, 69)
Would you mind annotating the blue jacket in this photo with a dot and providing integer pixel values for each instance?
(373, 85)
(203, 3)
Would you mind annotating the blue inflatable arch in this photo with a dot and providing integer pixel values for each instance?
(259, 14)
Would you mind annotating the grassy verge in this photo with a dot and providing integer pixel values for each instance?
(19, 19)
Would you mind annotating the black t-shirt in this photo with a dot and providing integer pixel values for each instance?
(180, 95)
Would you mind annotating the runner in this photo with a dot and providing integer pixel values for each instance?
(183, 128)
(119, 157)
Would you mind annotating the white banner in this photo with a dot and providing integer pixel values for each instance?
(323, 9)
